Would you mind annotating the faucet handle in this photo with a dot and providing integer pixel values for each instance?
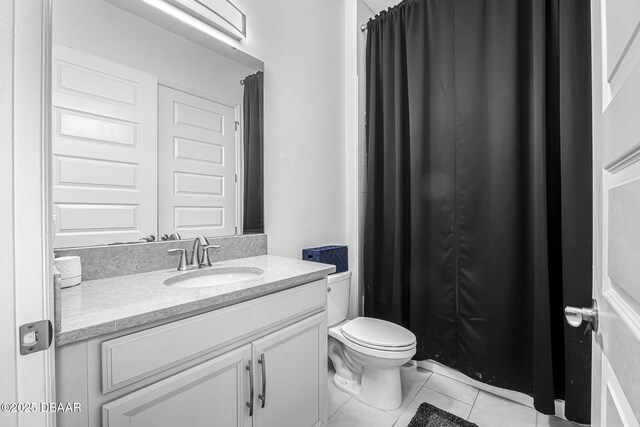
(182, 265)
(205, 254)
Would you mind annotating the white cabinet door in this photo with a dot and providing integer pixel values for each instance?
(104, 150)
(214, 393)
(196, 165)
(290, 367)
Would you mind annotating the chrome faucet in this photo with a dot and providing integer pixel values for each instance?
(200, 244)
(199, 254)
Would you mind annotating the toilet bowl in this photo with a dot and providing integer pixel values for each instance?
(366, 353)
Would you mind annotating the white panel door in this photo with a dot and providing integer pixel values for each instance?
(214, 393)
(104, 150)
(26, 289)
(290, 366)
(616, 113)
(196, 165)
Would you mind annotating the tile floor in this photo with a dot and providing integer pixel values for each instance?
(419, 385)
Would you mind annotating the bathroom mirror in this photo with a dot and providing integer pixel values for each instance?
(148, 129)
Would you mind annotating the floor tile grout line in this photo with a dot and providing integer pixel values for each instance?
(338, 408)
(396, 422)
(474, 404)
(445, 395)
(476, 399)
(396, 417)
(409, 403)
(413, 399)
(452, 397)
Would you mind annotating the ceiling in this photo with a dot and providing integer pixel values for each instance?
(380, 5)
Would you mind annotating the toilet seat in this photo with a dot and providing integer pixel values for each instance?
(378, 334)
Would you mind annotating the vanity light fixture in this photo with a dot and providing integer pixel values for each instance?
(192, 21)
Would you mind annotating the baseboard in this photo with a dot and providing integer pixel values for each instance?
(514, 396)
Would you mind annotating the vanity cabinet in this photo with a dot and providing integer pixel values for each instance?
(275, 381)
(257, 363)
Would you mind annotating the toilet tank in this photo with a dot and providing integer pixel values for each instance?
(339, 289)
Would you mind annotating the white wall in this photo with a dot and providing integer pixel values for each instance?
(302, 46)
(104, 30)
(356, 14)
(364, 13)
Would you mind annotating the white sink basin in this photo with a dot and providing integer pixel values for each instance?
(213, 277)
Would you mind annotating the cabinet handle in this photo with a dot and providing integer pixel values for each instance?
(263, 395)
(250, 402)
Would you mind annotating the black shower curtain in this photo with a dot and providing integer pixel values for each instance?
(253, 214)
(478, 209)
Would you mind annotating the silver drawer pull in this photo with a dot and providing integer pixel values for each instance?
(263, 395)
(250, 402)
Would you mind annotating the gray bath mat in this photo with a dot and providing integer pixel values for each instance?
(429, 416)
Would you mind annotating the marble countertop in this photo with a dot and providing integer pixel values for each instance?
(102, 306)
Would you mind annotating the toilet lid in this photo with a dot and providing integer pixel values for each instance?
(371, 332)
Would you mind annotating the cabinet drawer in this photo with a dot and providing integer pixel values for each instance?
(211, 394)
(131, 358)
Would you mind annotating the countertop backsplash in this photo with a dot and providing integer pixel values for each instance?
(99, 262)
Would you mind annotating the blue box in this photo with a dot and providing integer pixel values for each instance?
(336, 255)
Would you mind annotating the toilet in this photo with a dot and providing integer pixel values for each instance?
(366, 353)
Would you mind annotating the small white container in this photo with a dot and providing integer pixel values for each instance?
(70, 270)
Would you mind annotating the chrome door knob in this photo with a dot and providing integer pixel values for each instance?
(575, 316)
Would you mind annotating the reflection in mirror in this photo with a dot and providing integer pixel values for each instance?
(253, 218)
(152, 133)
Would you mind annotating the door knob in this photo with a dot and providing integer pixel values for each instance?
(575, 316)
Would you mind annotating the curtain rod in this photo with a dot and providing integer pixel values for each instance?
(363, 27)
(254, 74)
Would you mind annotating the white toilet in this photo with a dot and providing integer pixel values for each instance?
(366, 353)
